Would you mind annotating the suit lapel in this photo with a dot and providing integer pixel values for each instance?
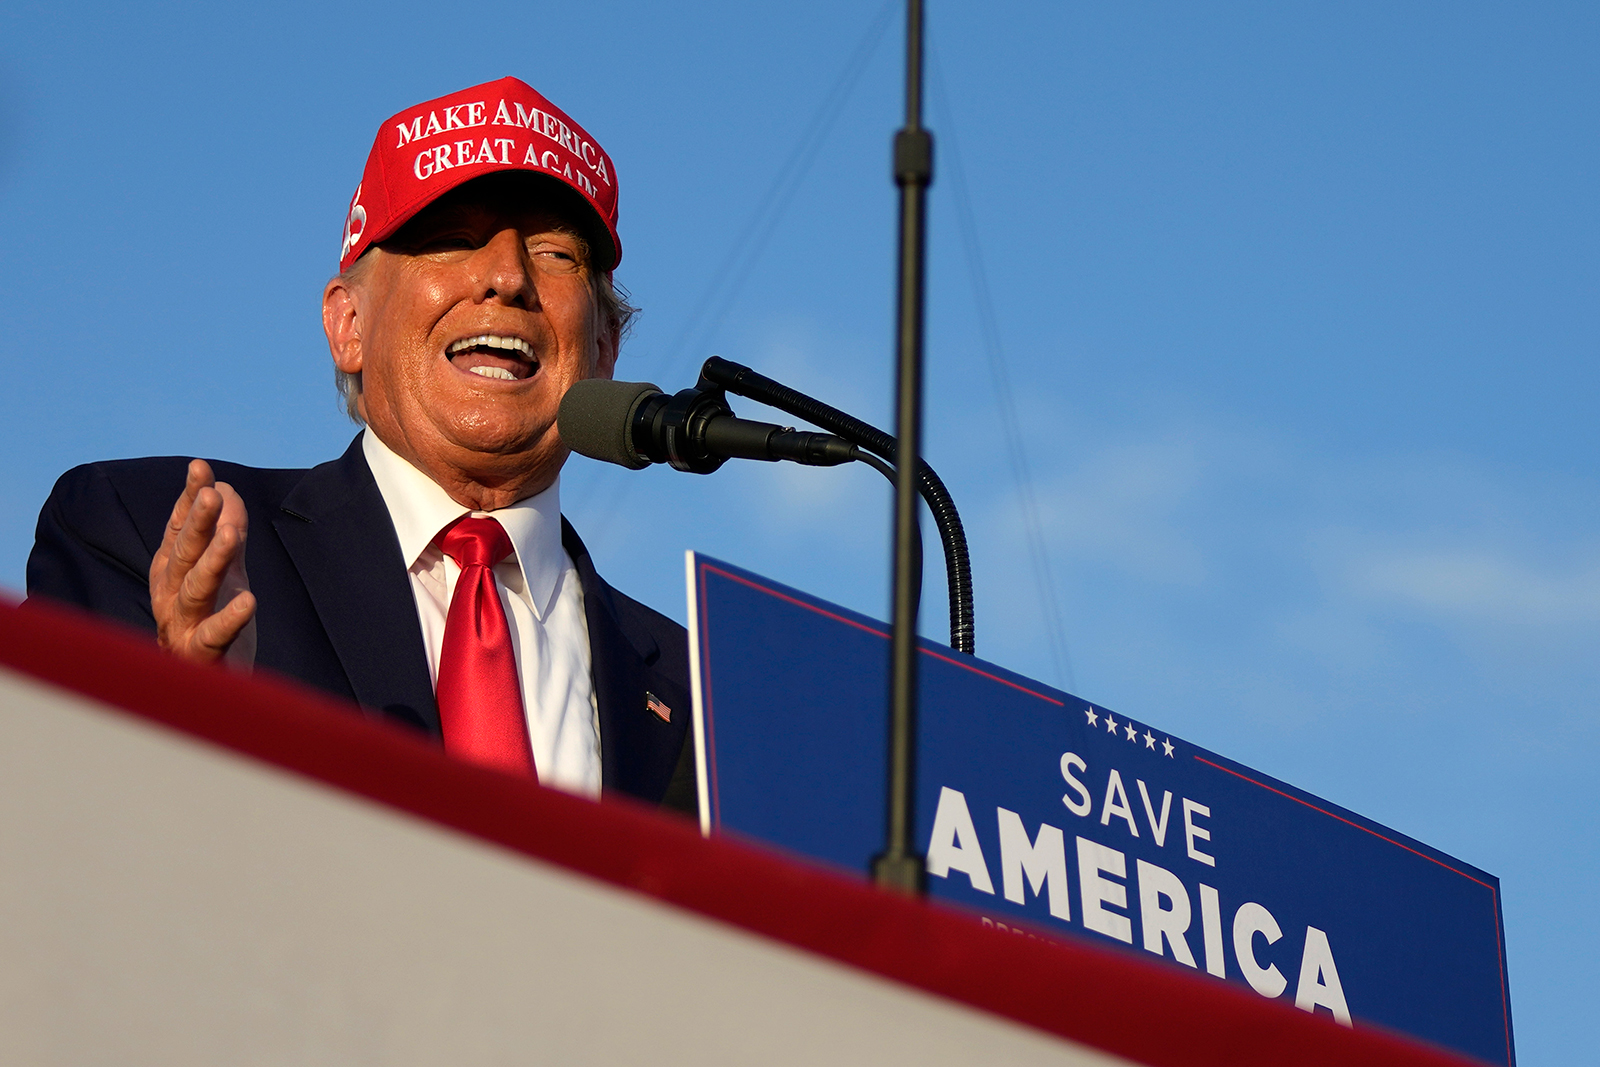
(638, 752)
(338, 533)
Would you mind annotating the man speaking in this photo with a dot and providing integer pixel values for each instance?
(427, 573)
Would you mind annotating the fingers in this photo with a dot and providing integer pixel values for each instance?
(198, 528)
(213, 636)
(180, 551)
(198, 581)
(198, 478)
(233, 510)
(201, 557)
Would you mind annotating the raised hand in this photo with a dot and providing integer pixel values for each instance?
(199, 591)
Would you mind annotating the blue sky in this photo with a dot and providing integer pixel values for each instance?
(1296, 302)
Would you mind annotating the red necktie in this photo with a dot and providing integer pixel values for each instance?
(480, 700)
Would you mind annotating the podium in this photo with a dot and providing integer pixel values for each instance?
(200, 867)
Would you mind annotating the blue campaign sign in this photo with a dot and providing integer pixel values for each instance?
(1041, 808)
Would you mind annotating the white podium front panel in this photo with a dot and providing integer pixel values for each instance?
(167, 902)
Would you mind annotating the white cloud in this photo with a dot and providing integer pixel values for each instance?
(1120, 506)
(1477, 584)
(1200, 565)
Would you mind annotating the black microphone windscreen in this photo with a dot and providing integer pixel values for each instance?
(595, 417)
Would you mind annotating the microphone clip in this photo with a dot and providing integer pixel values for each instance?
(672, 429)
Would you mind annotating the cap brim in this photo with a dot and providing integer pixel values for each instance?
(604, 248)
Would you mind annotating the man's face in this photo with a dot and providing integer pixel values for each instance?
(467, 329)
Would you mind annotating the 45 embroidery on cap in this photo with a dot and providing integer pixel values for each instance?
(355, 224)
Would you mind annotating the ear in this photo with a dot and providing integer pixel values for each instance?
(341, 321)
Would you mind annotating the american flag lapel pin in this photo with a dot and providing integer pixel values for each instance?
(653, 703)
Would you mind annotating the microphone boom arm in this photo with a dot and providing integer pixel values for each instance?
(736, 378)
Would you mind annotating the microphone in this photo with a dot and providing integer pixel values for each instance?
(635, 424)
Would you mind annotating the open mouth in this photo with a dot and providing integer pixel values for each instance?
(490, 355)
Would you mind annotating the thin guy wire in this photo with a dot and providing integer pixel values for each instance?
(753, 236)
(738, 265)
(989, 328)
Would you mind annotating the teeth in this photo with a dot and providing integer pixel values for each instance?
(490, 340)
(494, 372)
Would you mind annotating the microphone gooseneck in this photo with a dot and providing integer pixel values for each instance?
(741, 380)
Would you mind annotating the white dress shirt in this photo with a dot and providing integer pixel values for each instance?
(543, 600)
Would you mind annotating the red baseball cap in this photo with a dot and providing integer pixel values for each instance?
(427, 150)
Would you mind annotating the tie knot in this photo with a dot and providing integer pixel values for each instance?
(475, 542)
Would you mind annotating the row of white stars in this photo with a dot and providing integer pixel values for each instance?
(1131, 730)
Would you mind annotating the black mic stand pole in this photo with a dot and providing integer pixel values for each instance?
(900, 867)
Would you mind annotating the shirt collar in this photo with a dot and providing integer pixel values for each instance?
(420, 508)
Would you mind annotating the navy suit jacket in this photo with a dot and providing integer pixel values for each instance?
(335, 607)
